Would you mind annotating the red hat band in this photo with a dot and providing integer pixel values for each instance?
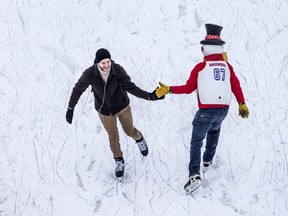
(212, 37)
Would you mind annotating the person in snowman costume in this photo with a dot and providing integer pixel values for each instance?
(214, 80)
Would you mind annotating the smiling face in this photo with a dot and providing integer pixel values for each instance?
(105, 65)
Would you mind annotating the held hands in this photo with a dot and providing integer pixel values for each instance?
(69, 115)
(163, 90)
(243, 110)
(153, 96)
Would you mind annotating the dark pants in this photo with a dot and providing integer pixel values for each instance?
(206, 122)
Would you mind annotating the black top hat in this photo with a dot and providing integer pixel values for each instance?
(213, 35)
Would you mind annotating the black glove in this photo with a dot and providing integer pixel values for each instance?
(153, 96)
(69, 115)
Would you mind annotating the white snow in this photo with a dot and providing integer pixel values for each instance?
(48, 167)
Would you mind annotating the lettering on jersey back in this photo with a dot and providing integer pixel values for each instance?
(219, 64)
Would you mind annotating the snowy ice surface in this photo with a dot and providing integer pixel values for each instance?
(48, 167)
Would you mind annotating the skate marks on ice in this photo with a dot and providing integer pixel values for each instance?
(44, 47)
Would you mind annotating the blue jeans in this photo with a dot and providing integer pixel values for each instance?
(206, 122)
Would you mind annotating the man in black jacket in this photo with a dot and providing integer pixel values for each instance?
(110, 84)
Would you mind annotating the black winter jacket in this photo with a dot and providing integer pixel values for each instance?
(110, 97)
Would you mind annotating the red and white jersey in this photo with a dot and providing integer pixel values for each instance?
(213, 83)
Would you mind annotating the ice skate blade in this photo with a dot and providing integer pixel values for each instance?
(119, 179)
(189, 189)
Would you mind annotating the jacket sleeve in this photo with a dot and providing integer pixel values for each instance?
(191, 83)
(235, 86)
(79, 88)
(126, 83)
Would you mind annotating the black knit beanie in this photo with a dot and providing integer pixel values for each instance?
(101, 54)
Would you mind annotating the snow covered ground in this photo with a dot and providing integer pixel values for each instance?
(48, 167)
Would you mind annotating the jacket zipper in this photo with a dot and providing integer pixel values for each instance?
(104, 96)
